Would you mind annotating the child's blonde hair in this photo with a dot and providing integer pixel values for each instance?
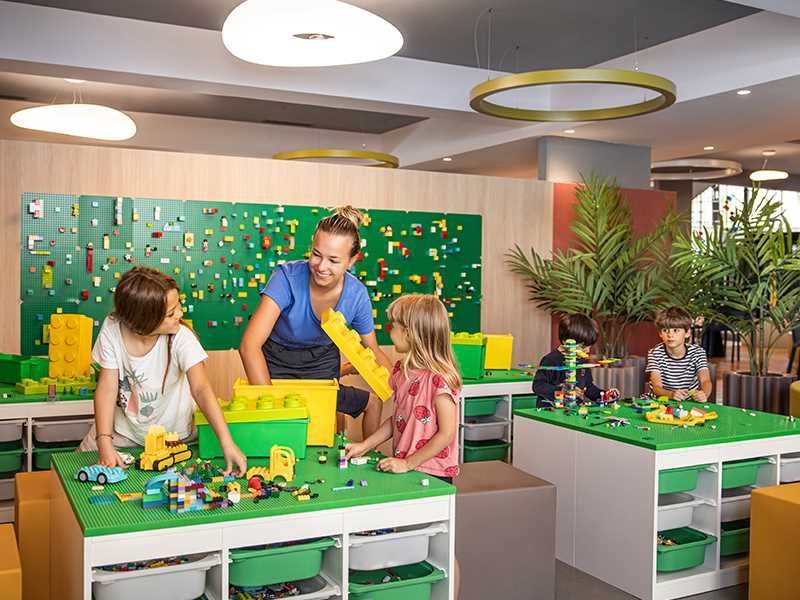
(427, 326)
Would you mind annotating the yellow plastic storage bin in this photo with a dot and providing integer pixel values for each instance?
(319, 394)
(497, 354)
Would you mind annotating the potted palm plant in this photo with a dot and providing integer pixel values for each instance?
(749, 272)
(610, 273)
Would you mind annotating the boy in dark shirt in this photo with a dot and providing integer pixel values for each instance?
(546, 382)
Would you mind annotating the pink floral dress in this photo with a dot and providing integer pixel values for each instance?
(415, 419)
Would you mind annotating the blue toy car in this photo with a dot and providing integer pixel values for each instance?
(101, 474)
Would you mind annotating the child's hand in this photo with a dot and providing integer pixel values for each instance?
(700, 396)
(354, 450)
(347, 369)
(108, 456)
(394, 465)
(612, 394)
(233, 456)
(680, 395)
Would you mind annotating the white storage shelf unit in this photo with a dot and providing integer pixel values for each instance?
(609, 510)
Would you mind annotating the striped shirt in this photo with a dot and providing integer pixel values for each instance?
(677, 373)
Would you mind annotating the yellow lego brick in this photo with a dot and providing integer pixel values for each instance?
(397, 288)
(70, 351)
(228, 238)
(362, 358)
(241, 294)
(498, 351)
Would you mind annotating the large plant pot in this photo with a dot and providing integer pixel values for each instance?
(626, 375)
(769, 393)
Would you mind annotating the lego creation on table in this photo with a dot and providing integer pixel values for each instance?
(162, 449)
(362, 358)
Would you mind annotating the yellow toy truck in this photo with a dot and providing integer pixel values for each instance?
(162, 450)
(281, 464)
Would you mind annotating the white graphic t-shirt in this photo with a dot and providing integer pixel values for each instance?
(140, 402)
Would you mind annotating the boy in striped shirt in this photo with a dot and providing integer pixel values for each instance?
(677, 369)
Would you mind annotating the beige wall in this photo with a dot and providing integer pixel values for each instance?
(514, 211)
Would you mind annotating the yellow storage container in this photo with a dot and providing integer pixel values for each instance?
(319, 394)
(498, 351)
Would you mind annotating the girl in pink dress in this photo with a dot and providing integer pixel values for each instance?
(426, 384)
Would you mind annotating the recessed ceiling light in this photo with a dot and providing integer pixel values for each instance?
(569, 131)
(769, 153)
(743, 92)
(447, 159)
(308, 33)
(708, 147)
(70, 80)
(768, 175)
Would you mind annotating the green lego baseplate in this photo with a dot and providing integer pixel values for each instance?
(125, 517)
(502, 376)
(425, 252)
(9, 395)
(733, 425)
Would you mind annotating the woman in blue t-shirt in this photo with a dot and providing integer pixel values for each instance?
(284, 338)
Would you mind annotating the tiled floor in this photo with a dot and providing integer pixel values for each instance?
(572, 584)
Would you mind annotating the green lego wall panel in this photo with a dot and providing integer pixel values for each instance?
(75, 248)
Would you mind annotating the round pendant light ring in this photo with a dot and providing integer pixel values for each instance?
(693, 169)
(663, 87)
(381, 159)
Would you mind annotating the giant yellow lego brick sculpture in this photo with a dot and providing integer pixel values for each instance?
(70, 350)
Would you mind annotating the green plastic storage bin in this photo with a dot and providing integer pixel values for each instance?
(481, 407)
(475, 451)
(42, 456)
(14, 368)
(469, 351)
(11, 460)
(688, 552)
(410, 582)
(255, 439)
(519, 402)
(10, 445)
(735, 538)
(682, 479)
(267, 565)
(741, 473)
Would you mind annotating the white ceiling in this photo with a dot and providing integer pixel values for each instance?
(190, 92)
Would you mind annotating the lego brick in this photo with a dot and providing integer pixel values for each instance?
(361, 357)
(70, 349)
(498, 351)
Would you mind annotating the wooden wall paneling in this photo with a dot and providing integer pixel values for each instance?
(514, 211)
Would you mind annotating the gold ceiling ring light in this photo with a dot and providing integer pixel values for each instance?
(708, 168)
(665, 89)
(382, 160)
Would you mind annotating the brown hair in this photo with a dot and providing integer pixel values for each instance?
(345, 221)
(427, 327)
(578, 327)
(674, 318)
(140, 303)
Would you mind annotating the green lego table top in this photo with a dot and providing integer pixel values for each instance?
(498, 376)
(125, 517)
(733, 425)
(9, 395)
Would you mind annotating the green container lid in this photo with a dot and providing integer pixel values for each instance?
(409, 582)
(741, 473)
(688, 552)
(267, 565)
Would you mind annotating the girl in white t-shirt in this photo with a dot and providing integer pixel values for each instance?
(152, 371)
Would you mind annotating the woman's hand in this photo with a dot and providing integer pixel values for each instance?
(394, 465)
(354, 450)
(233, 455)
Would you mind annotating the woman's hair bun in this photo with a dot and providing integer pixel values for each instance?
(351, 214)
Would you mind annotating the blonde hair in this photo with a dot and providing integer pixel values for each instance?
(427, 326)
(345, 221)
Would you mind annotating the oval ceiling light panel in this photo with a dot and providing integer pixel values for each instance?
(768, 175)
(81, 120)
(308, 33)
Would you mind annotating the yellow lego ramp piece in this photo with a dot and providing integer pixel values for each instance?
(70, 350)
(362, 358)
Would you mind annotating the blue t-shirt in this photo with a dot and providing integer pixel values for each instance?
(298, 326)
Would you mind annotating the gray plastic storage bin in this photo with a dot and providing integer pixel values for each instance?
(484, 428)
(735, 504)
(53, 432)
(7, 488)
(406, 546)
(790, 467)
(675, 510)
(177, 582)
(11, 431)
